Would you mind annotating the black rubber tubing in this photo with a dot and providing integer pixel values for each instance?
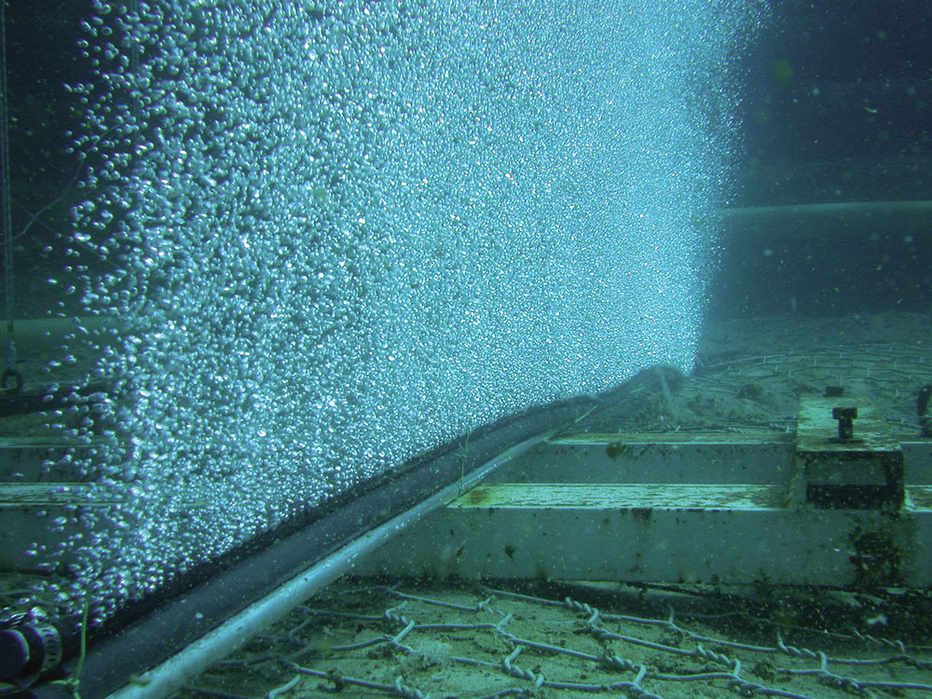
(149, 631)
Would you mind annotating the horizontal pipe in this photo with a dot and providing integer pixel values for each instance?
(49, 398)
(832, 210)
(180, 669)
(44, 334)
(820, 221)
(148, 632)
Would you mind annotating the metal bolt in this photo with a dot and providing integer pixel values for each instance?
(846, 418)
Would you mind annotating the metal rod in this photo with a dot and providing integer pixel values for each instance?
(6, 221)
(181, 668)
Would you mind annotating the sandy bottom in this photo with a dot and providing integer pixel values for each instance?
(751, 373)
(576, 640)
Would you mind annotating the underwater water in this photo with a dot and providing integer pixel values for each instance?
(322, 238)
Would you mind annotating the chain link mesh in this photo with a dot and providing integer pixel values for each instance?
(483, 643)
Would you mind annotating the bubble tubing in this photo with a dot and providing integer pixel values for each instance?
(332, 236)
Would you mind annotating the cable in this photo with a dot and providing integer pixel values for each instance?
(5, 208)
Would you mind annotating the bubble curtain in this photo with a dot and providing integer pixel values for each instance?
(329, 236)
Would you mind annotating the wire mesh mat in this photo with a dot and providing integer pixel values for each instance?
(482, 642)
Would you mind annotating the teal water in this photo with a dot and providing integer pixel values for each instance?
(334, 235)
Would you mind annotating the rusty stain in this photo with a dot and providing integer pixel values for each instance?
(642, 514)
(476, 496)
(615, 449)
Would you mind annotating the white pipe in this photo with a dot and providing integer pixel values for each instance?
(832, 209)
(170, 676)
(856, 218)
(44, 334)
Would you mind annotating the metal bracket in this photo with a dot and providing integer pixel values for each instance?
(839, 471)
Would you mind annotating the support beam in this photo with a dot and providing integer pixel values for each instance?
(712, 533)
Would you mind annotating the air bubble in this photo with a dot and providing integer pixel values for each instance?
(429, 241)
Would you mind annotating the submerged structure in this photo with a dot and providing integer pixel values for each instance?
(318, 241)
(333, 268)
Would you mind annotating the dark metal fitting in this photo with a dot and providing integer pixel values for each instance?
(846, 418)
